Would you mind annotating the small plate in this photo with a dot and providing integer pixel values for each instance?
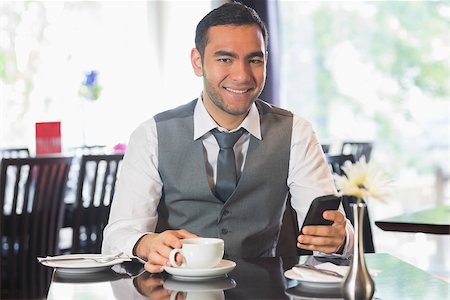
(185, 274)
(82, 266)
(313, 278)
(332, 281)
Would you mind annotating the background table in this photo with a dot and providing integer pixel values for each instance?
(436, 220)
(258, 278)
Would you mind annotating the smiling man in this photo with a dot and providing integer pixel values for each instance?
(179, 178)
(233, 66)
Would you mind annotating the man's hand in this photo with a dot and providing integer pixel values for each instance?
(155, 248)
(326, 239)
(151, 287)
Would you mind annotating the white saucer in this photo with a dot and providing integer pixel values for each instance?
(313, 278)
(185, 274)
(82, 266)
(331, 281)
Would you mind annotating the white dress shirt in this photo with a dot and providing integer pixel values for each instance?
(139, 187)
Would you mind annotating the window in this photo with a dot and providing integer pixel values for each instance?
(374, 71)
(379, 71)
(141, 56)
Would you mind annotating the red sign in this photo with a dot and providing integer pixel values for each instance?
(48, 138)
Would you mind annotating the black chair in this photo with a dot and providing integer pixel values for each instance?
(358, 149)
(287, 240)
(31, 203)
(336, 163)
(14, 152)
(325, 148)
(88, 150)
(77, 152)
(95, 189)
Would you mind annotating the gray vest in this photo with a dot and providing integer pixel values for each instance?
(249, 222)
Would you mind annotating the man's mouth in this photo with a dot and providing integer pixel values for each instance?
(237, 91)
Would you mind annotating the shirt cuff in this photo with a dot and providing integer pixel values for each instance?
(130, 243)
(349, 238)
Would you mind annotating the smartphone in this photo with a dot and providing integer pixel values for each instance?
(318, 206)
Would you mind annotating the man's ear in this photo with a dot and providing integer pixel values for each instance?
(196, 61)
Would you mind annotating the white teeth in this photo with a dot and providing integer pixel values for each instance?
(237, 91)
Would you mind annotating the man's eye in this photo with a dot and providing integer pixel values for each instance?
(256, 61)
(224, 59)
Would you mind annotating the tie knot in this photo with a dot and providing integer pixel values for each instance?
(225, 139)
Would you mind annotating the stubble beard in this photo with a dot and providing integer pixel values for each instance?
(218, 101)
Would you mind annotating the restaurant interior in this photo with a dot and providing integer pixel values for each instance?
(77, 77)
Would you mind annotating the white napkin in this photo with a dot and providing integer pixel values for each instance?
(74, 257)
(311, 275)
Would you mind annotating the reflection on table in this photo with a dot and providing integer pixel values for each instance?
(258, 278)
(436, 220)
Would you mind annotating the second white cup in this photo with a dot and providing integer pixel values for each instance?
(198, 253)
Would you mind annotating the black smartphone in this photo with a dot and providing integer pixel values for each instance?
(318, 206)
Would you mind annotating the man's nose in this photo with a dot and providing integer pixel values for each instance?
(241, 72)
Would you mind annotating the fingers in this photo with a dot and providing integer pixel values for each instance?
(151, 287)
(334, 215)
(147, 283)
(319, 243)
(338, 225)
(160, 294)
(159, 247)
(323, 249)
(149, 267)
(169, 240)
(155, 262)
(326, 239)
(185, 234)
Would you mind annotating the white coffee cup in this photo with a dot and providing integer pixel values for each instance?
(198, 253)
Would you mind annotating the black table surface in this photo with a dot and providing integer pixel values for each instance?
(256, 278)
(435, 220)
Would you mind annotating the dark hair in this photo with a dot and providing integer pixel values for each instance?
(227, 14)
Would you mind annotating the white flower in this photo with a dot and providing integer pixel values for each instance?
(362, 180)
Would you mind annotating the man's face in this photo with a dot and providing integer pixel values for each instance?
(233, 70)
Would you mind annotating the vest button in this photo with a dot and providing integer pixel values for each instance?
(224, 231)
(226, 212)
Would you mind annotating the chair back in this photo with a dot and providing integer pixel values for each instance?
(325, 148)
(95, 191)
(336, 163)
(31, 203)
(358, 149)
(14, 152)
(88, 150)
(287, 240)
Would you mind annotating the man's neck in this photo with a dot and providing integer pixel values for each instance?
(222, 118)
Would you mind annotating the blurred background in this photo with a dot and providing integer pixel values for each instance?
(363, 71)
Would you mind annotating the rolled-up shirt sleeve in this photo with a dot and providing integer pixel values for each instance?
(137, 195)
(310, 176)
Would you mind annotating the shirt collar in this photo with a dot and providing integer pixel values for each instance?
(203, 122)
